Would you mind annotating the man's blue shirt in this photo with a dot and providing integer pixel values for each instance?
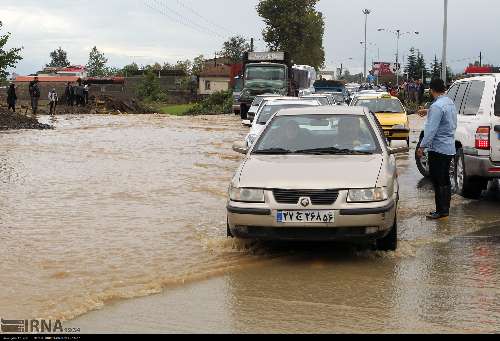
(440, 128)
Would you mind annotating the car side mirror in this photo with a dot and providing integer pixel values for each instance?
(247, 123)
(240, 147)
(399, 150)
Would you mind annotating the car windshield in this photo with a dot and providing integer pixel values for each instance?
(318, 135)
(381, 105)
(270, 109)
(265, 73)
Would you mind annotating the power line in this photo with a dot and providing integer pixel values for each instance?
(196, 13)
(162, 8)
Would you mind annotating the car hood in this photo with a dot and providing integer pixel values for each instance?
(392, 119)
(310, 171)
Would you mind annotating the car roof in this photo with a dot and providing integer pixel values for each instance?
(273, 103)
(268, 95)
(324, 110)
(495, 76)
(378, 96)
(316, 96)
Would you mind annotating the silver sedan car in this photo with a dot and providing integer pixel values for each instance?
(315, 174)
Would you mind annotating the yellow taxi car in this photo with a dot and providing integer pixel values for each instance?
(390, 113)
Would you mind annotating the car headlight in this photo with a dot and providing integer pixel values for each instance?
(246, 195)
(368, 195)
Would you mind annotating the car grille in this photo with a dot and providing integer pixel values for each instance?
(318, 197)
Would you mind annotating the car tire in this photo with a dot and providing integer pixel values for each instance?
(467, 187)
(422, 163)
(228, 231)
(389, 242)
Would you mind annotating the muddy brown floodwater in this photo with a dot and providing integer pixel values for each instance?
(117, 224)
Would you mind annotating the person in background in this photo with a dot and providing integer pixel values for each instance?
(86, 94)
(11, 97)
(53, 99)
(34, 91)
(68, 95)
(420, 91)
(439, 140)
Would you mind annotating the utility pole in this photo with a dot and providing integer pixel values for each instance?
(444, 73)
(251, 44)
(480, 58)
(366, 12)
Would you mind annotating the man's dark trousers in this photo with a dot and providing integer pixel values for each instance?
(439, 168)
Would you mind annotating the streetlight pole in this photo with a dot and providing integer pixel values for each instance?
(398, 34)
(444, 73)
(397, 57)
(366, 12)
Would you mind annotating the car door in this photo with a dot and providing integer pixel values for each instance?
(495, 132)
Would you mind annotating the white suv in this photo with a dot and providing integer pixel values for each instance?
(478, 134)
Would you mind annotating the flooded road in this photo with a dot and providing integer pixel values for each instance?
(107, 208)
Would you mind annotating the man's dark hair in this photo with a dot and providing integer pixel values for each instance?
(437, 85)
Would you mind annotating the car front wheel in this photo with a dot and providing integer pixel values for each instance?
(389, 242)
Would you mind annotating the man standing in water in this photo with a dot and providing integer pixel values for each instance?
(439, 140)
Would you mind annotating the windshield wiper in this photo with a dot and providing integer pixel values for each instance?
(273, 151)
(332, 151)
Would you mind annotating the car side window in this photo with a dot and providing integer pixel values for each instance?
(452, 93)
(459, 99)
(474, 98)
(497, 102)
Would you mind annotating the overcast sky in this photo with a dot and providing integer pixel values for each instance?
(146, 31)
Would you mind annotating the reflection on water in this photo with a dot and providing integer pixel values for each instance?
(105, 208)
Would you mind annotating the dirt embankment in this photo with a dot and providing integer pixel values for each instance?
(9, 120)
(102, 105)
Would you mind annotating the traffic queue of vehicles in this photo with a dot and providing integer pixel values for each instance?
(317, 169)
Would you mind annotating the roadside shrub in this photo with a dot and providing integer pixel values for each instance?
(218, 103)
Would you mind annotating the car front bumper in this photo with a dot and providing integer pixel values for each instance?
(352, 221)
(397, 134)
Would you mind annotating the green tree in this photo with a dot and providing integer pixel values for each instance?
(8, 58)
(198, 63)
(59, 58)
(96, 66)
(411, 65)
(185, 65)
(436, 68)
(130, 70)
(296, 27)
(421, 68)
(234, 48)
(150, 89)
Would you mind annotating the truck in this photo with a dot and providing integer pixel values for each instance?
(269, 73)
